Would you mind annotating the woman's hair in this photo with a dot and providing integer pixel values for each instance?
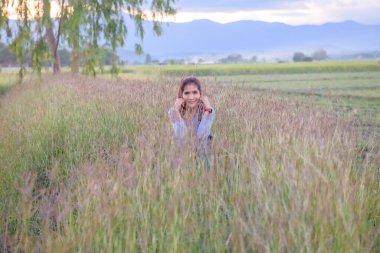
(182, 84)
(188, 80)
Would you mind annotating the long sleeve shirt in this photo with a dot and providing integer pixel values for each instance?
(202, 128)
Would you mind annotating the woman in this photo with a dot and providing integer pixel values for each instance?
(191, 117)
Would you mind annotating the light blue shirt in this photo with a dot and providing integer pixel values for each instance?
(203, 128)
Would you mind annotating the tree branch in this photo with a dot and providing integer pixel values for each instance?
(59, 28)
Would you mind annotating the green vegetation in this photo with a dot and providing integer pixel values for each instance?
(354, 93)
(37, 30)
(253, 69)
(7, 81)
(89, 165)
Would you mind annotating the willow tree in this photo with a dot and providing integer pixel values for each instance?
(78, 25)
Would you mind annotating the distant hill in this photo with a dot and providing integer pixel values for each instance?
(205, 37)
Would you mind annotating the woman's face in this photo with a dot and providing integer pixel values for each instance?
(191, 95)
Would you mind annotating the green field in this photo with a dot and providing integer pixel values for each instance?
(251, 69)
(354, 94)
(351, 87)
(89, 164)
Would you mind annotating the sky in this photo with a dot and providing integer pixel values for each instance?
(292, 12)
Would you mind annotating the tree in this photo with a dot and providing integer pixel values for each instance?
(6, 57)
(65, 57)
(301, 57)
(148, 59)
(298, 56)
(253, 59)
(232, 58)
(320, 55)
(83, 26)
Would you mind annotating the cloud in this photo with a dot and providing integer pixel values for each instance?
(291, 12)
(230, 5)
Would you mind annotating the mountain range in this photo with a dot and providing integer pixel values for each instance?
(205, 38)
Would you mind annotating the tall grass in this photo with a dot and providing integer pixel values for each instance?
(89, 165)
(7, 81)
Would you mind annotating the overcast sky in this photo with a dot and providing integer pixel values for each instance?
(294, 12)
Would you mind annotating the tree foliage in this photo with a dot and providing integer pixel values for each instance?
(301, 57)
(148, 59)
(83, 26)
(6, 57)
(237, 58)
(320, 55)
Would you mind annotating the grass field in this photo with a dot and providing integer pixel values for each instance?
(351, 87)
(7, 80)
(89, 165)
(250, 69)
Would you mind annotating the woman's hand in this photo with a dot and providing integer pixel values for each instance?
(178, 103)
(206, 102)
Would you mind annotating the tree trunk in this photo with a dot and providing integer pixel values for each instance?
(75, 54)
(53, 47)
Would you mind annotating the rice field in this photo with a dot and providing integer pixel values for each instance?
(89, 165)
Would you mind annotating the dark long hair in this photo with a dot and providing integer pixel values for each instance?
(182, 84)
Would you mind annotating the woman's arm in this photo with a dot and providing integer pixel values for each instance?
(177, 123)
(204, 128)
